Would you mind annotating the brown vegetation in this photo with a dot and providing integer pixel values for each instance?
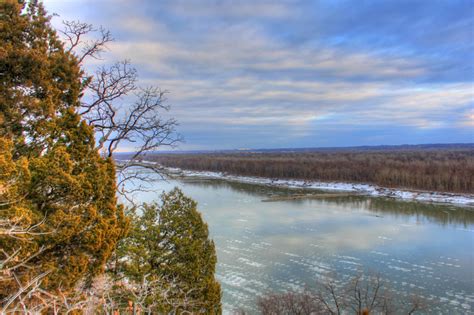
(367, 294)
(435, 170)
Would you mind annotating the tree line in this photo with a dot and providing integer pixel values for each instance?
(433, 170)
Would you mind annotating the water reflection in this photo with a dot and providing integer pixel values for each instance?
(426, 212)
(288, 244)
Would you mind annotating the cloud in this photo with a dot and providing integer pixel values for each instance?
(299, 72)
(232, 9)
(467, 119)
(246, 50)
(137, 24)
(251, 102)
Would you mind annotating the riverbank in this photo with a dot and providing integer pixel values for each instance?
(362, 189)
(444, 169)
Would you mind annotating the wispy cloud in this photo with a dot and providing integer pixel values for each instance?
(233, 9)
(297, 72)
(249, 52)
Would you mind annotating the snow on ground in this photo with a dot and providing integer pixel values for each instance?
(364, 189)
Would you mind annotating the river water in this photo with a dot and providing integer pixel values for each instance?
(284, 245)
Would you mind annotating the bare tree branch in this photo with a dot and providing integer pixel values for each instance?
(364, 294)
(74, 33)
(121, 112)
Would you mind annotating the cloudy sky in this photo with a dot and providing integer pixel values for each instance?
(269, 74)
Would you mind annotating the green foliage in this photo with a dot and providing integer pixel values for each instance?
(40, 82)
(59, 218)
(51, 175)
(170, 243)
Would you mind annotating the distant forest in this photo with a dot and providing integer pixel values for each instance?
(444, 169)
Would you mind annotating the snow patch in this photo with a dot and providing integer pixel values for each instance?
(364, 189)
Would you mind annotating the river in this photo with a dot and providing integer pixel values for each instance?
(286, 244)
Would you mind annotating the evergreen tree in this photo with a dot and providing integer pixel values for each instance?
(52, 177)
(170, 243)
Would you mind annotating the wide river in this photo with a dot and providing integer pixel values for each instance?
(281, 245)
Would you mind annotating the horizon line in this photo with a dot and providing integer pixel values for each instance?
(469, 144)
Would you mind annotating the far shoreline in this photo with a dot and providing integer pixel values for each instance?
(369, 190)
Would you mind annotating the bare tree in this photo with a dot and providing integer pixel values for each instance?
(297, 303)
(118, 109)
(361, 295)
(150, 296)
(26, 295)
(74, 33)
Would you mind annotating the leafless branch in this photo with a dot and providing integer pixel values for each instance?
(74, 33)
(362, 295)
(121, 112)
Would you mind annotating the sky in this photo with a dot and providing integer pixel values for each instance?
(295, 73)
